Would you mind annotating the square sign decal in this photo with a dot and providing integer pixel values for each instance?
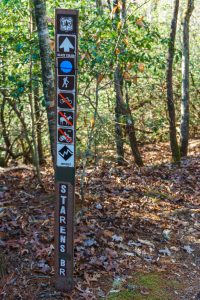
(65, 155)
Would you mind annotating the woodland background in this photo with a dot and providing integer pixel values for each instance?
(137, 43)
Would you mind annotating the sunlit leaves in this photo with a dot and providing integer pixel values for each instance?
(141, 67)
(140, 22)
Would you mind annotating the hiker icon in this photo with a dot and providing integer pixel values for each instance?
(65, 82)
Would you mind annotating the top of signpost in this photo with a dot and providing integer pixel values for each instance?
(66, 22)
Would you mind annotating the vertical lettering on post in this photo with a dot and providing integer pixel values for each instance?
(63, 200)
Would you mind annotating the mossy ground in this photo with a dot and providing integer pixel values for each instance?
(151, 286)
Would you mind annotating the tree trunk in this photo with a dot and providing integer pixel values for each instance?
(122, 110)
(35, 156)
(46, 63)
(184, 127)
(35, 86)
(118, 83)
(170, 97)
(38, 123)
(119, 132)
(130, 129)
(126, 112)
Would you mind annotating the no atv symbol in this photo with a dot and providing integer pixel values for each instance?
(65, 136)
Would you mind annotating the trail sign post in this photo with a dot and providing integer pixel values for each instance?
(66, 35)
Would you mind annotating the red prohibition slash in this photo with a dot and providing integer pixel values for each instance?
(63, 133)
(68, 121)
(67, 102)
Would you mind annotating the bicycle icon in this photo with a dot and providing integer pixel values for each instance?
(62, 101)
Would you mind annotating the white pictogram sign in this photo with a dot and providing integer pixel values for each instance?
(65, 82)
(66, 45)
(65, 155)
(66, 24)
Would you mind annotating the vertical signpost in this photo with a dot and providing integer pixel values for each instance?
(66, 35)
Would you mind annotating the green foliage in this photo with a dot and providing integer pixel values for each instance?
(139, 46)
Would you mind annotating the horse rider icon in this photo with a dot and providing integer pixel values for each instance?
(65, 82)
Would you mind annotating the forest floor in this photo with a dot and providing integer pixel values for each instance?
(136, 237)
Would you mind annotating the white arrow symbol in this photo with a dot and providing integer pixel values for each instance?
(66, 45)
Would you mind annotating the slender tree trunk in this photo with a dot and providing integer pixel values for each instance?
(34, 148)
(125, 110)
(89, 142)
(170, 96)
(5, 134)
(46, 63)
(38, 123)
(122, 109)
(184, 127)
(118, 121)
(130, 129)
(118, 83)
(36, 97)
(23, 124)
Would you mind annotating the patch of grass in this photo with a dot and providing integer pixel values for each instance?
(157, 196)
(150, 281)
(122, 295)
(157, 286)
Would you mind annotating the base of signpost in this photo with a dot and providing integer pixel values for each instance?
(66, 285)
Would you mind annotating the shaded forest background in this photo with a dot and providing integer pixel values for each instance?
(135, 45)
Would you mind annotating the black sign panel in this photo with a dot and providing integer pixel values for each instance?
(66, 44)
(66, 83)
(66, 66)
(66, 100)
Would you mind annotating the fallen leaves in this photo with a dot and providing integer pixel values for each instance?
(134, 220)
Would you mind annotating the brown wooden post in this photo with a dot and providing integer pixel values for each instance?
(66, 47)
